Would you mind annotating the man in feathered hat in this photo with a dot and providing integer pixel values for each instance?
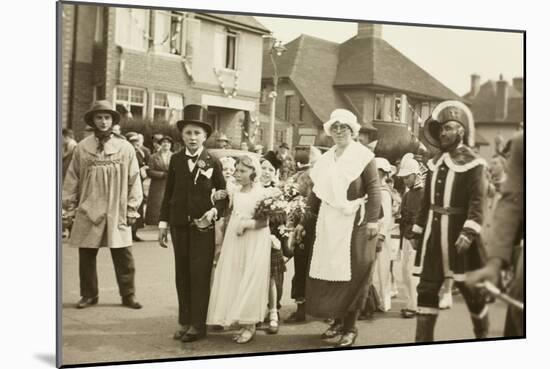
(450, 221)
(102, 190)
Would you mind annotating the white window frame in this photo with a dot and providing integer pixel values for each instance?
(220, 50)
(158, 38)
(121, 34)
(173, 112)
(128, 103)
(396, 115)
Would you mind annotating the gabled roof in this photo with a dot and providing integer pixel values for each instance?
(311, 64)
(243, 20)
(373, 61)
(483, 104)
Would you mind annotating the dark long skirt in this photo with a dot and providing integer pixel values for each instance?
(335, 299)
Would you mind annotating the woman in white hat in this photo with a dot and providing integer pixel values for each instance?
(341, 228)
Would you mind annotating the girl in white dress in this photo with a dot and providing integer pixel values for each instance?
(241, 280)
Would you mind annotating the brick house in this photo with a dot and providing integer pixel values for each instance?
(150, 63)
(387, 91)
(497, 107)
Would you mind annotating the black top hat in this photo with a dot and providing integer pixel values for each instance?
(102, 106)
(195, 114)
(271, 157)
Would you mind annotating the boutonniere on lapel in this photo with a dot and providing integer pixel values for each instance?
(204, 170)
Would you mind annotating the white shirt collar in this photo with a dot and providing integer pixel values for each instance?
(198, 152)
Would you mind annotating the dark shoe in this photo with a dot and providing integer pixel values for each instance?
(135, 238)
(367, 315)
(190, 337)
(217, 328)
(481, 327)
(407, 313)
(425, 325)
(86, 302)
(334, 330)
(347, 340)
(299, 316)
(179, 334)
(130, 301)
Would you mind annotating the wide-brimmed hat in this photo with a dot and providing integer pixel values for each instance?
(132, 136)
(450, 111)
(222, 137)
(345, 117)
(284, 145)
(195, 114)
(272, 158)
(383, 165)
(101, 106)
(166, 138)
(408, 166)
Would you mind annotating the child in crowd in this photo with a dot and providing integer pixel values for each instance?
(241, 280)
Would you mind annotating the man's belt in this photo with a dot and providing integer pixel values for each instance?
(447, 210)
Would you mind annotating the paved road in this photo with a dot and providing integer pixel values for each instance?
(109, 332)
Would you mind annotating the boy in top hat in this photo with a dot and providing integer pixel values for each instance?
(102, 191)
(448, 226)
(189, 209)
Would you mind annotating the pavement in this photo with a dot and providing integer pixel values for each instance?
(109, 332)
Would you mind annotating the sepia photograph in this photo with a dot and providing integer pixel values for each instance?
(236, 183)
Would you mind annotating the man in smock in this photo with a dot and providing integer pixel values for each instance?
(102, 190)
(342, 227)
(450, 221)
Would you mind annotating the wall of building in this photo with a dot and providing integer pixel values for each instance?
(67, 44)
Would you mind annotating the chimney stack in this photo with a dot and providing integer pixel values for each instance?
(518, 84)
(474, 85)
(365, 30)
(502, 99)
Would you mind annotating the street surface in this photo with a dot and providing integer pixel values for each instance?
(110, 332)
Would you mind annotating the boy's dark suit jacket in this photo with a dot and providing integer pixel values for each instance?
(187, 196)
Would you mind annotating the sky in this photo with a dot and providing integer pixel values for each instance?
(450, 55)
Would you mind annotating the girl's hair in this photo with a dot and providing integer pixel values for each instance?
(249, 163)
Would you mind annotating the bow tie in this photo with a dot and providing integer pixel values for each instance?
(192, 158)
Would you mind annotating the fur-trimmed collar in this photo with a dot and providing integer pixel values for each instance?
(460, 159)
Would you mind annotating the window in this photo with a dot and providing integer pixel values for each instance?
(213, 119)
(379, 107)
(169, 32)
(279, 137)
(130, 102)
(288, 100)
(225, 50)
(397, 109)
(259, 135)
(264, 93)
(230, 50)
(425, 111)
(302, 107)
(132, 28)
(167, 107)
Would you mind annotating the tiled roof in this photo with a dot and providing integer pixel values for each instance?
(245, 20)
(483, 104)
(311, 64)
(373, 61)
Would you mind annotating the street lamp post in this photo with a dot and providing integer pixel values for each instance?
(276, 49)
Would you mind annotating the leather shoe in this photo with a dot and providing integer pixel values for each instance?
(334, 330)
(130, 301)
(191, 337)
(86, 302)
(180, 333)
(347, 340)
(137, 239)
